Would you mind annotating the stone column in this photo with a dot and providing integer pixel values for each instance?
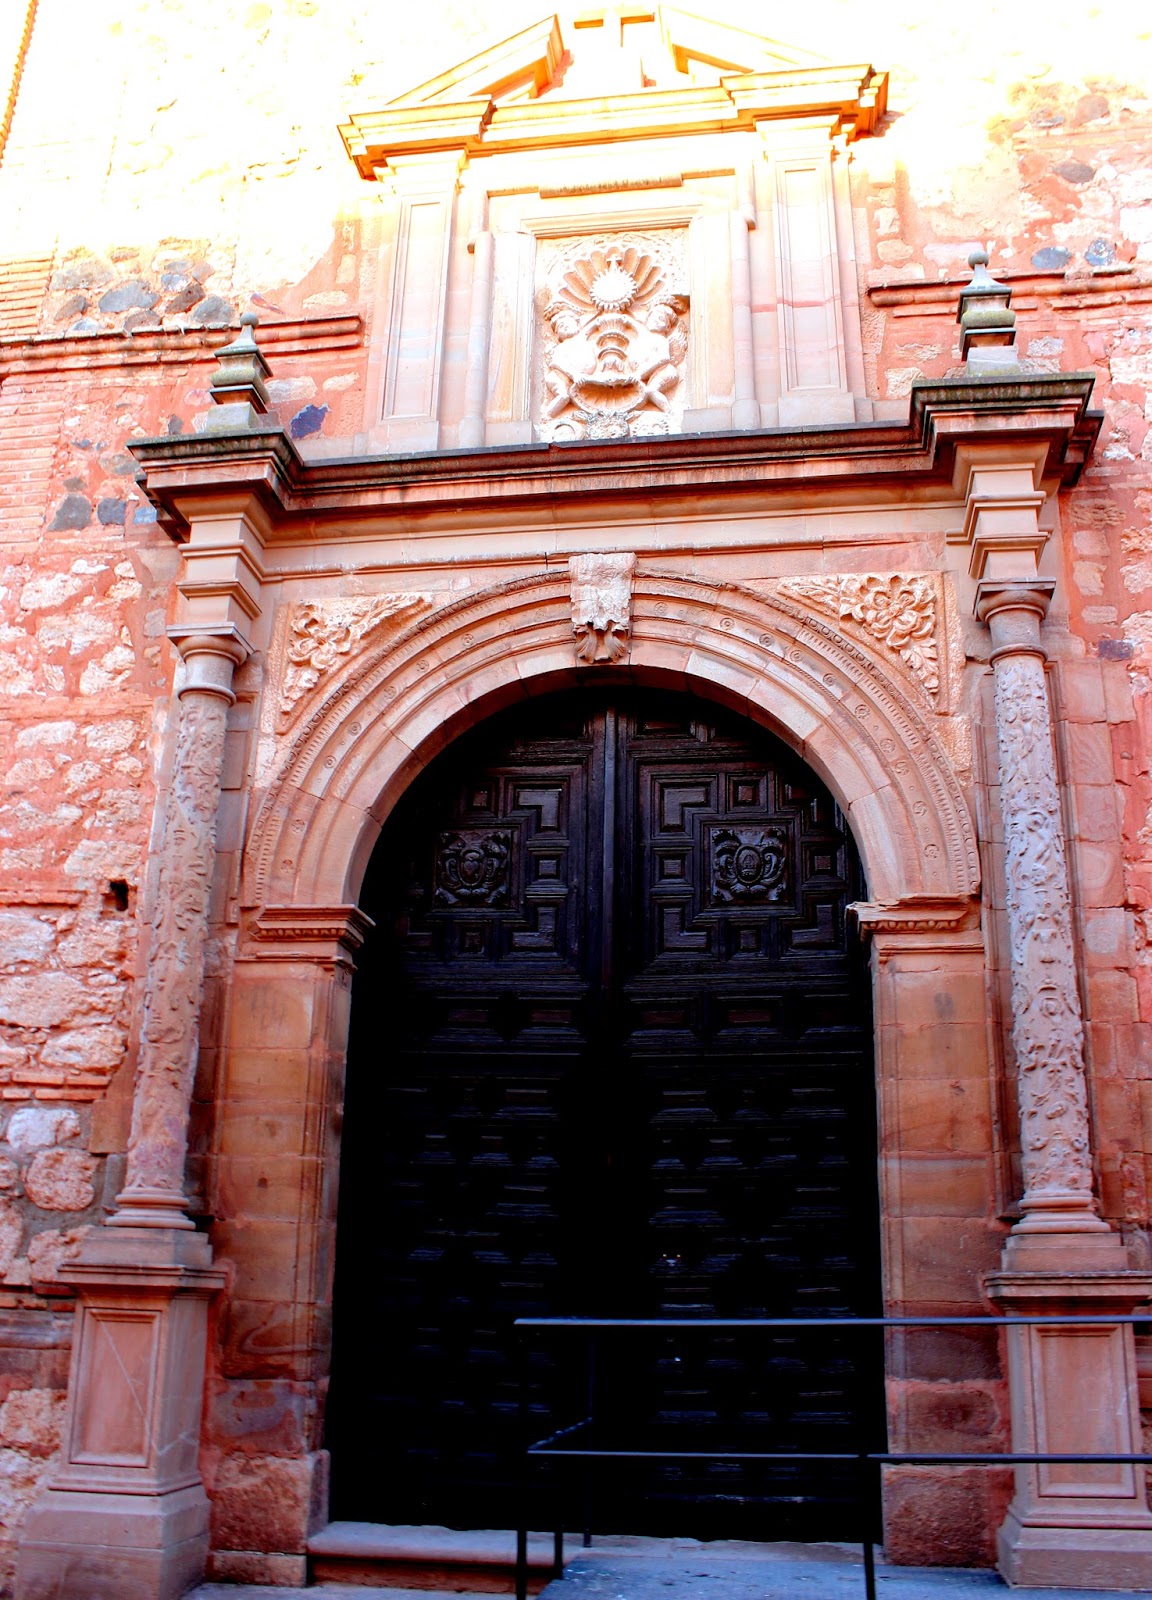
(125, 1515)
(153, 1196)
(1073, 1387)
(1047, 1027)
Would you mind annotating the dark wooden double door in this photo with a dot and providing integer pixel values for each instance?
(611, 1055)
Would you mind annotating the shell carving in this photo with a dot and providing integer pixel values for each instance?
(615, 342)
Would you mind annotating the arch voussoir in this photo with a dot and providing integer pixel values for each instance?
(833, 699)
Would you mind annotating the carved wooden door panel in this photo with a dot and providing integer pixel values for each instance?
(610, 1054)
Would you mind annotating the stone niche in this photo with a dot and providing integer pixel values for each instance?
(615, 231)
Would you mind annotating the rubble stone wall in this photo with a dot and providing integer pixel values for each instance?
(168, 166)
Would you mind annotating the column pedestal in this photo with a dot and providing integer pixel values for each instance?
(1074, 1389)
(125, 1515)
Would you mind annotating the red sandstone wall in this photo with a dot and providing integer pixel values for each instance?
(166, 166)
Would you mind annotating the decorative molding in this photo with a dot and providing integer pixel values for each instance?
(174, 346)
(323, 635)
(899, 610)
(1125, 282)
(917, 914)
(602, 606)
(301, 933)
(808, 669)
(614, 339)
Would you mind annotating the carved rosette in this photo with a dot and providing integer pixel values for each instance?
(899, 611)
(323, 635)
(602, 606)
(1047, 1031)
(177, 932)
(749, 865)
(472, 867)
(614, 337)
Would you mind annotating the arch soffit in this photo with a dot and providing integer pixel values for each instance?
(834, 700)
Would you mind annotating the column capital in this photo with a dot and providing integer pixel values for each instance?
(1013, 611)
(210, 657)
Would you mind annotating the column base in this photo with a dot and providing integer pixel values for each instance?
(1031, 1556)
(113, 1546)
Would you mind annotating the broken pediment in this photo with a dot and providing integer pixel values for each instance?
(694, 74)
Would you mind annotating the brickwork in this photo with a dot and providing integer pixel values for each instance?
(168, 168)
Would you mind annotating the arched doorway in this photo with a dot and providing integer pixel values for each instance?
(610, 1054)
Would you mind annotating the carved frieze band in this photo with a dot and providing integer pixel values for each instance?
(1047, 1030)
(324, 635)
(899, 611)
(602, 606)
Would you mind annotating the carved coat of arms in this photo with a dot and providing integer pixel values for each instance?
(616, 339)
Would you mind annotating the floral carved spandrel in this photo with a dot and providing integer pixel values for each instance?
(898, 611)
(324, 635)
(615, 337)
(1047, 1029)
(602, 606)
(176, 939)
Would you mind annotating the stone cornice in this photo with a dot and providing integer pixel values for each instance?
(172, 346)
(919, 914)
(330, 934)
(854, 96)
(1046, 411)
(1121, 284)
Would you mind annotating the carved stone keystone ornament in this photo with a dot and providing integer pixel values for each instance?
(602, 606)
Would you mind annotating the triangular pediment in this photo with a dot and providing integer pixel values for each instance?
(526, 63)
(660, 47)
(617, 73)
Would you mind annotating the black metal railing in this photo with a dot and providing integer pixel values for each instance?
(867, 1462)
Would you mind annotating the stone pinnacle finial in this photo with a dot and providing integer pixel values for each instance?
(237, 386)
(987, 322)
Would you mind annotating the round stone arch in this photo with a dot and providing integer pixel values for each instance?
(353, 743)
(861, 723)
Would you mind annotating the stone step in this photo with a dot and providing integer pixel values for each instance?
(399, 1556)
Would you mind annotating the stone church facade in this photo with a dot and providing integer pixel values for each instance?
(627, 380)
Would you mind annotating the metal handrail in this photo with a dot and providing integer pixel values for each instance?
(867, 1460)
